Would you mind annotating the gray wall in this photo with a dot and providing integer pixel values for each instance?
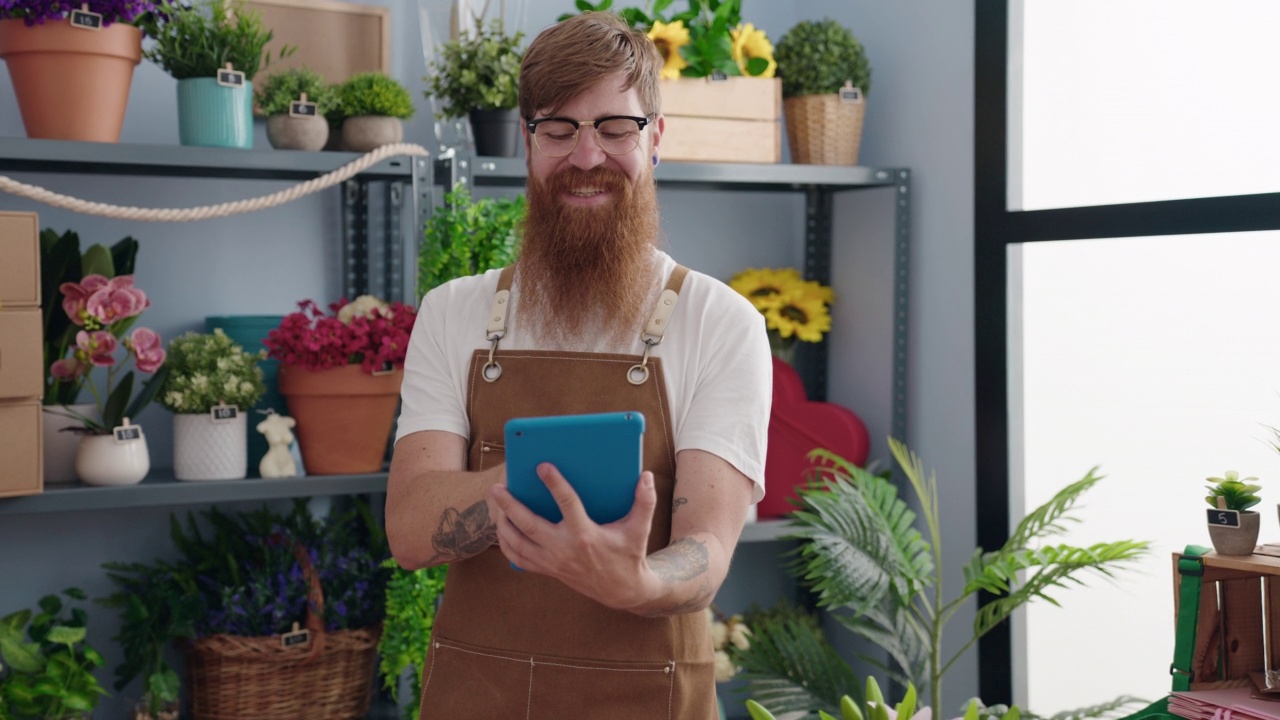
(919, 116)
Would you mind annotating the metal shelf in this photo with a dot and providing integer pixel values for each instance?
(764, 531)
(63, 156)
(163, 489)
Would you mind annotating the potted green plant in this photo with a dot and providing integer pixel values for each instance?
(61, 261)
(374, 106)
(825, 79)
(1233, 533)
(406, 631)
(150, 622)
(211, 385)
(294, 126)
(72, 84)
(214, 49)
(477, 75)
(465, 237)
(46, 667)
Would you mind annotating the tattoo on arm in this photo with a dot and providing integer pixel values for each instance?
(675, 504)
(684, 559)
(463, 534)
(696, 601)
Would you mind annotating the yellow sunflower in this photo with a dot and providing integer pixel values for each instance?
(804, 317)
(765, 286)
(670, 37)
(748, 43)
(812, 289)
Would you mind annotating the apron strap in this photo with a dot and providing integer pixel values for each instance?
(498, 311)
(656, 328)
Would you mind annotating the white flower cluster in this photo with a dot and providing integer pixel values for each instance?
(205, 369)
(363, 306)
(731, 632)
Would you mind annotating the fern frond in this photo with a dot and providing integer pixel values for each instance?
(791, 667)
(1048, 519)
(888, 629)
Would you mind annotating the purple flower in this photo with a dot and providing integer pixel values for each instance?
(36, 12)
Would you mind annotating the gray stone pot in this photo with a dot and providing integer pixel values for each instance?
(1236, 540)
(368, 132)
(286, 132)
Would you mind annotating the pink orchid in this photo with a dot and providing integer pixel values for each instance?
(117, 301)
(75, 296)
(97, 347)
(148, 353)
(68, 369)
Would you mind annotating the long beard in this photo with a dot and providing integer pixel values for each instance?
(587, 270)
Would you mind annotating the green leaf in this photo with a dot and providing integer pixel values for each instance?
(66, 635)
(113, 412)
(756, 66)
(23, 657)
(757, 711)
(98, 261)
(849, 709)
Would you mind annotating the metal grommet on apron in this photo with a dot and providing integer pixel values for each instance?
(638, 374)
(497, 328)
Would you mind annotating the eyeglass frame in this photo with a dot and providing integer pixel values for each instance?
(642, 122)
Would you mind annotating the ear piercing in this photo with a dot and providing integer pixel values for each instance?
(655, 160)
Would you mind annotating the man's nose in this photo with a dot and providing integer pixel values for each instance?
(587, 153)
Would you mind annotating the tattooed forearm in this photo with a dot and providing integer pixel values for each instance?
(463, 534)
(675, 504)
(695, 602)
(684, 559)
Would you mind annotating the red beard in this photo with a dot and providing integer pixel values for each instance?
(587, 269)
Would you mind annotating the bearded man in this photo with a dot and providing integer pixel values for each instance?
(606, 620)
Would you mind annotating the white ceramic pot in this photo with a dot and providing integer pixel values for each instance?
(208, 450)
(102, 460)
(60, 447)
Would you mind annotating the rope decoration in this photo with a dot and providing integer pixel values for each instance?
(207, 212)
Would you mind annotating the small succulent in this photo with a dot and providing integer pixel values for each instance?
(1239, 494)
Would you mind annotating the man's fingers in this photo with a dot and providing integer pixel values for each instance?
(563, 493)
(645, 503)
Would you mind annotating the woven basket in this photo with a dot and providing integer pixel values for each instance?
(823, 130)
(258, 678)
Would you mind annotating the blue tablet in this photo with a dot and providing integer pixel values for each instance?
(601, 455)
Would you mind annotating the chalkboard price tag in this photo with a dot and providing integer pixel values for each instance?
(301, 109)
(127, 433)
(230, 78)
(221, 413)
(385, 369)
(1224, 518)
(850, 93)
(295, 637)
(717, 76)
(85, 19)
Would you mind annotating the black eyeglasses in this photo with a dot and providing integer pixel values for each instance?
(615, 134)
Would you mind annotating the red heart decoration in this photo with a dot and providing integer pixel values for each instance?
(797, 426)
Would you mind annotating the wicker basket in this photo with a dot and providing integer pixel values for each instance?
(258, 678)
(823, 129)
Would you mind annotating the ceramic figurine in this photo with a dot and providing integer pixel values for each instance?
(278, 429)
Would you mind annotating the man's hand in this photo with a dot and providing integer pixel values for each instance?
(606, 563)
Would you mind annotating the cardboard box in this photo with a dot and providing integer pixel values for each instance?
(21, 354)
(733, 120)
(19, 260)
(21, 472)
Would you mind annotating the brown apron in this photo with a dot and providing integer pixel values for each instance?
(511, 644)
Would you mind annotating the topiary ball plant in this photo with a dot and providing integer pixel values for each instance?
(816, 57)
(373, 93)
(282, 88)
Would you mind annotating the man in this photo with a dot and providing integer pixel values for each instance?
(607, 620)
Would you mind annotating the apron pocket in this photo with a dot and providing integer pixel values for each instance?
(491, 454)
(464, 680)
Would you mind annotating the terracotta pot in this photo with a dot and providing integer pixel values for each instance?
(344, 417)
(71, 84)
(370, 132)
(286, 132)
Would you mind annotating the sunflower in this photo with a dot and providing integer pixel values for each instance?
(670, 37)
(750, 43)
(797, 315)
(764, 286)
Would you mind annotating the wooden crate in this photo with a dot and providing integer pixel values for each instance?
(733, 120)
(1229, 630)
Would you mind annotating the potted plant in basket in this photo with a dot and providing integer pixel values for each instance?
(72, 63)
(214, 49)
(340, 375)
(1233, 527)
(211, 385)
(291, 127)
(266, 607)
(46, 667)
(825, 80)
(61, 261)
(477, 75)
(112, 450)
(374, 107)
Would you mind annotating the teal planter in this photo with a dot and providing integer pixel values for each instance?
(249, 331)
(213, 115)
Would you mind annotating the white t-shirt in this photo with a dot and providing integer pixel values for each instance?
(715, 358)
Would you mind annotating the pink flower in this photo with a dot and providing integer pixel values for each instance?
(312, 340)
(68, 369)
(75, 296)
(118, 300)
(148, 353)
(97, 347)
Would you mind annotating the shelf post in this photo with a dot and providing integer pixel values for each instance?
(355, 238)
(817, 267)
(901, 285)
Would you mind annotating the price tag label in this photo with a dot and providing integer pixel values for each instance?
(230, 78)
(221, 413)
(1224, 518)
(127, 433)
(386, 369)
(85, 20)
(851, 94)
(717, 76)
(295, 638)
(302, 109)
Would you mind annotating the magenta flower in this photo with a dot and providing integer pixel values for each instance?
(75, 296)
(148, 353)
(312, 340)
(69, 369)
(117, 301)
(98, 347)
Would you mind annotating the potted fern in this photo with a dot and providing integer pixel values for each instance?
(1233, 527)
(477, 76)
(296, 103)
(825, 79)
(373, 107)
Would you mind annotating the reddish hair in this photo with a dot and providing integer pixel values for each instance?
(571, 56)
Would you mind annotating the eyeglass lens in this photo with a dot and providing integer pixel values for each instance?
(616, 136)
